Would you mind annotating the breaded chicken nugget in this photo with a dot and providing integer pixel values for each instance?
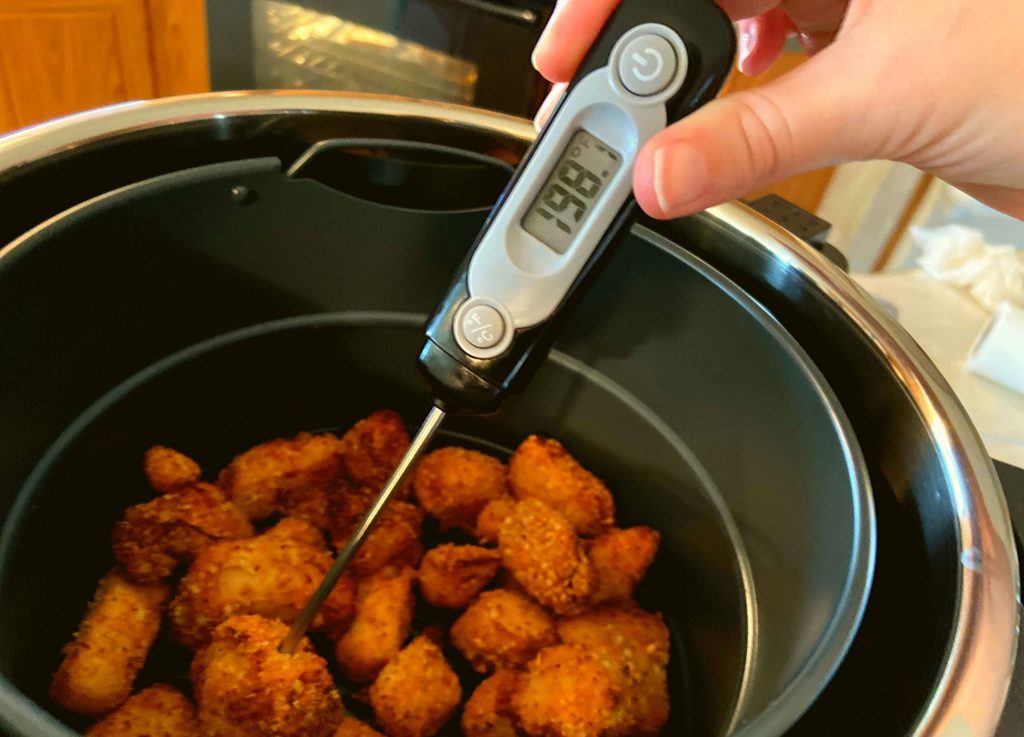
(543, 469)
(394, 540)
(634, 645)
(417, 692)
(455, 484)
(352, 727)
(152, 538)
(502, 629)
(288, 477)
(372, 448)
(110, 647)
(491, 517)
(491, 710)
(544, 555)
(245, 687)
(346, 505)
(384, 611)
(452, 575)
(271, 575)
(167, 469)
(157, 711)
(620, 559)
(566, 692)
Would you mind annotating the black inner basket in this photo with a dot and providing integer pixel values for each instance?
(873, 693)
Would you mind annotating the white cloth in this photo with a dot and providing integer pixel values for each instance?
(959, 256)
(945, 320)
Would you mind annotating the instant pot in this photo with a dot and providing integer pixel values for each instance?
(210, 272)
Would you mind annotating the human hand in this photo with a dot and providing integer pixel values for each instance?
(937, 84)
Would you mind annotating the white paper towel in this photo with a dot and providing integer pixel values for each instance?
(959, 256)
(998, 353)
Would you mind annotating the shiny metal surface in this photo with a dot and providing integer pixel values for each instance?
(419, 443)
(969, 696)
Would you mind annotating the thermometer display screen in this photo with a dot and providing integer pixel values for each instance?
(566, 200)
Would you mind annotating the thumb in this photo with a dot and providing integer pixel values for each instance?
(814, 116)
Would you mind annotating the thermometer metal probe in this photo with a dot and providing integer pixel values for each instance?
(568, 205)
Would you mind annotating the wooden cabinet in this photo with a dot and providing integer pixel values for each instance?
(63, 56)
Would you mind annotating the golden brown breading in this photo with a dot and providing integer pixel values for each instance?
(634, 645)
(394, 540)
(417, 692)
(245, 687)
(157, 711)
(153, 538)
(288, 477)
(271, 575)
(620, 559)
(372, 448)
(352, 727)
(384, 611)
(541, 551)
(502, 629)
(542, 469)
(110, 647)
(491, 517)
(566, 692)
(452, 575)
(455, 484)
(491, 710)
(168, 469)
(346, 505)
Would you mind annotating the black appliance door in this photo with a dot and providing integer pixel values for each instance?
(472, 52)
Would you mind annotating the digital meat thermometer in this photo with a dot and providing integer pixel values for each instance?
(568, 204)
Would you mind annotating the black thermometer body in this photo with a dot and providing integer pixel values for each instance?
(570, 201)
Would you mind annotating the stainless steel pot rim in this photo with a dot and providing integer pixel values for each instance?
(971, 694)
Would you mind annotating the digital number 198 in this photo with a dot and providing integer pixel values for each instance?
(558, 197)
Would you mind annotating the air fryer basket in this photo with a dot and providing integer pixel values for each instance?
(644, 367)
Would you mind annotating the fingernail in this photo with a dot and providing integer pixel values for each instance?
(747, 41)
(546, 107)
(680, 177)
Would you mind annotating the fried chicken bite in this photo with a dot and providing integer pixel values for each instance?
(620, 559)
(452, 575)
(542, 469)
(634, 645)
(502, 629)
(394, 541)
(372, 448)
(157, 711)
(455, 484)
(245, 687)
(491, 710)
(271, 575)
(542, 552)
(352, 727)
(566, 692)
(168, 470)
(111, 645)
(417, 692)
(287, 477)
(491, 517)
(383, 620)
(154, 537)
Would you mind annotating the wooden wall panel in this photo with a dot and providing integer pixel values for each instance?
(63, 56)
(181, 59)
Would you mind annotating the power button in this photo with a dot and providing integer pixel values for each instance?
(647, 65)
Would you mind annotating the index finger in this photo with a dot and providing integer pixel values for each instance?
(575, 25)
(569, 35)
